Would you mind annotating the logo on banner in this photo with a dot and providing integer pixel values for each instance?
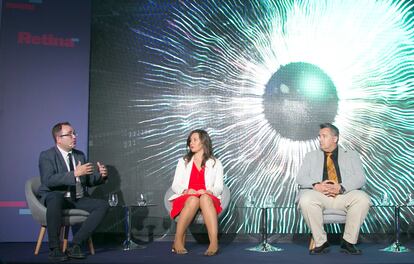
(50, 40)
(20, 6)
(29, 5)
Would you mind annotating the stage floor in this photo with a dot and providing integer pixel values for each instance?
(233, 253)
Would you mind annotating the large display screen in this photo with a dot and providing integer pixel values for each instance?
(259, 76)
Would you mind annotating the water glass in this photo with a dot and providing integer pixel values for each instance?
(250, 201)
(385, 199)
(270, 201)
(113, 199)
(141, 201)
(410, 199)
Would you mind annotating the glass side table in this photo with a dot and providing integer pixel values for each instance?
(264, 246)
(396, 246)
(129, 244)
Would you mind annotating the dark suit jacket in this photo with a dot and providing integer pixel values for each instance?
(54, 174)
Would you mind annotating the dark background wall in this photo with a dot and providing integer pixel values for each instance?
(40, 85)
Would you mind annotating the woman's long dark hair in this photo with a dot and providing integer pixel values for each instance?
(207, 147)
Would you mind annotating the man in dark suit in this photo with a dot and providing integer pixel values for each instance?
(65, 176)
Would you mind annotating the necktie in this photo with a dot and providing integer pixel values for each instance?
(71, 168)
(330, 166)
(78, 192)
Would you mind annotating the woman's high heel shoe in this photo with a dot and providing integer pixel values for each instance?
(179, 251)
(210, 253)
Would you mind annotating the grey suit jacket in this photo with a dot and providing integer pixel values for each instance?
(349, 162)
(54, 174)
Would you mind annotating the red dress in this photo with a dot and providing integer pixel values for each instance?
(197, 183)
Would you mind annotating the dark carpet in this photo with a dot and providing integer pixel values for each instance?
(233, 253)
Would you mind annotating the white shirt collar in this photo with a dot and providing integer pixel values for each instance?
(64, 153)
(65, 156)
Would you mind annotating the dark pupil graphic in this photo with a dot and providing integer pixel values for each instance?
(298, 97)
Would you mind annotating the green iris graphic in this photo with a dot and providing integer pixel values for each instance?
(260, 76)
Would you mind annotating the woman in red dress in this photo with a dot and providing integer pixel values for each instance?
(197, 185)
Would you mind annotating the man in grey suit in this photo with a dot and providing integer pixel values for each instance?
(65, 176)
(332, 177)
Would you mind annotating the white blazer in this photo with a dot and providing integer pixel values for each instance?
(213, 177)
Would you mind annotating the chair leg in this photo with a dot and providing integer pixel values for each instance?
(40, 239)
(91, 248)
(311, 243)
(65, 233)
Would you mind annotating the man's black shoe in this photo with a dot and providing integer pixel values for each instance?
(320, 250)
(56, 255)
(349, 248)
(75, 252)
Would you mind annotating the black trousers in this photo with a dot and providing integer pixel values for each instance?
(55, 203)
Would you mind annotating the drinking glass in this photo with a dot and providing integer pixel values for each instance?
(270, 201)
(410, 199)
(141, 201)
(113, 199)
(385, 199)
(250, 201)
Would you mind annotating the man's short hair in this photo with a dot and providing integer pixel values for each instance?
(334, 129)
(57, 128)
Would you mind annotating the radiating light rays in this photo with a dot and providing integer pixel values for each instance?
(211, 67)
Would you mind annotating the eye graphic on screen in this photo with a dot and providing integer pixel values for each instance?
(297, 98)
(260, 76)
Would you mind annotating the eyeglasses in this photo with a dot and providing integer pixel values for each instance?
(72, 134)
